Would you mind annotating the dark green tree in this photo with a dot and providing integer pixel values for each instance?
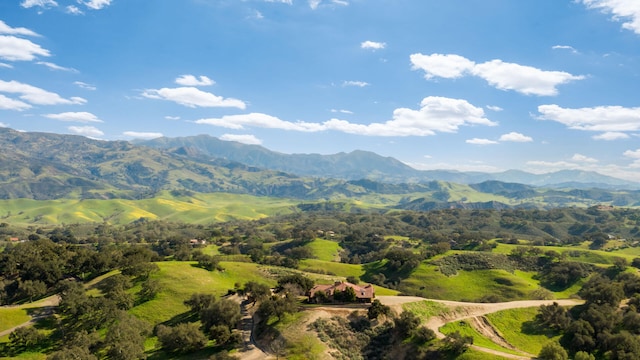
(198, 302)
(553, 351)
(256, 291)
(182, 338)
(125, 338)
(26, 337)
(376, 309)
(222, 312)
(553, 316)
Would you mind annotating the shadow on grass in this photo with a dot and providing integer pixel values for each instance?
(185, 317)
(532, 327)
(205, 353)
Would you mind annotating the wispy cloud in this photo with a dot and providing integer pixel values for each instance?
(53, 66)
(373, 45)
(12, 104)
(565, 47)
(74, 10)
(634, 154)
(97, 4)
(37, 96)
(342, 111)
(476, 141)
(494, 108)
(38, 3)
(355, 83)
(142, 135)
(626, 11)
(610, 120)
(501, 75)
(82, 117)
(191, 80)
(245, 139)
(17, 49)
(436, 114)
(610, 136)
(8, 30)
(85, 86)
(288, 2)
(583, 158)
(90, 131)
(192, 97)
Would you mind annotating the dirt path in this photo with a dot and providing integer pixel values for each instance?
(463, 310)
(250, 349)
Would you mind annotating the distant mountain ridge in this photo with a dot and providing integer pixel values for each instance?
(360, 164)
(45, 166)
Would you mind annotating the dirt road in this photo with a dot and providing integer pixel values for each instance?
(476, 311)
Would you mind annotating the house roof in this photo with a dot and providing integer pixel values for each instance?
(362, 292)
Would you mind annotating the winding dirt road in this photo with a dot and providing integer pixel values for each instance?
(476, 311)
(458, 311)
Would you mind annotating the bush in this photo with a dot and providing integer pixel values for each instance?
(553, 351)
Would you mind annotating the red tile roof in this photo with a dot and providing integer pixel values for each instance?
(362, 292)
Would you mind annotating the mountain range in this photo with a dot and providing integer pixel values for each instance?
(44, 166)
(360, 164)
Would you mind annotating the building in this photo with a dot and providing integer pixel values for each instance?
(364, 294)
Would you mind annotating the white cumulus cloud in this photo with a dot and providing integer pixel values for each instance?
(449, 66)
(583, 158)
(515, 137)
(193, 97)
(90, 131)
(245, 139)
(38, 3)
(17, 49)
(634, 154)
(82, 117)
(12, 104)
(74, 10)
(374, 45)
(626, 11)
(191, 80)
(97, 4)
(142, 135)
(436, 114)
(37, 96)
(614, 119)
(501, 75)
(260, 120)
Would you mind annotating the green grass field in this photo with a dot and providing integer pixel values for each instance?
(516, 326)
(201, 209)
(179, 280)
(465, 329)
(325, 250)
(427, 281)
(14, 316)
(426, 309)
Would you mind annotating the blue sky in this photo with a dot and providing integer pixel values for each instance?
(492, 85)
